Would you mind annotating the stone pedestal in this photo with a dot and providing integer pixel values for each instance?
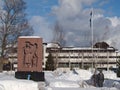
(35, 76)
(30, 56)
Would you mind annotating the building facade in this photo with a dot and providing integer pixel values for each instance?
(76, 57)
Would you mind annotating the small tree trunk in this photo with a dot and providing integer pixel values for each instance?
(1, 64)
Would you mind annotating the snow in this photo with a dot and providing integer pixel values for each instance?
(9, 82)
(74, 75)
(29, 37)
(76, 79)
(79, 79)
(110, 74)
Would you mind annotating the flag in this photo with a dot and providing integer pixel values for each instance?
(91, 13)
(90, 22)
(90, 18)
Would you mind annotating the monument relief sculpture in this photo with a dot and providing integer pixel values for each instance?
(30, 57)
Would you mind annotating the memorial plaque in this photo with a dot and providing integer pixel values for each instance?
(30, 53)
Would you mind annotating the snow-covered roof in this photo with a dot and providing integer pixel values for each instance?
(53, 45)
(29, 37)
(85, 48)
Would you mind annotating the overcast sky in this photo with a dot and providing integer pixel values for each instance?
(74, 18)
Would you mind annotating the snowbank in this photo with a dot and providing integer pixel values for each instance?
(69, 76)
(110, 74)
(74, 75)
(9, 82)
(84, 74)
(77, 78)
(18, 85)
(60, 80)
(64, 84)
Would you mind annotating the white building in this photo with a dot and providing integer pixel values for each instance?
(76, 57)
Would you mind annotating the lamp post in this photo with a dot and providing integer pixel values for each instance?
(69, 60)
(116, 57)
(82, 60)
(107, 60)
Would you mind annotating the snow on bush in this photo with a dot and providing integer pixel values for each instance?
(64, 84)
(109, 74)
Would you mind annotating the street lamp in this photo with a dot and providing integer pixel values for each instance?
(107, 60)
(116, 57)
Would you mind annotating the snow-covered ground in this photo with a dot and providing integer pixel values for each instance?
(76, 79)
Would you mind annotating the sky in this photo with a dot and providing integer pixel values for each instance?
(73, 17)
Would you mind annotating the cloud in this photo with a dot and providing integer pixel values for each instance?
(66, 9)
(115, 21)
(114, 33)
(74, 17)
(70, 8)
(42, 28)
(103, 2)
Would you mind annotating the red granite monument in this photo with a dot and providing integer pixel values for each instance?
(30, 56)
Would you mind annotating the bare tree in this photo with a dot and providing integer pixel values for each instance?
(59, 34)
(13, 23)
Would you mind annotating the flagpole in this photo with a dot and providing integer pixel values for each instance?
(91, 27)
